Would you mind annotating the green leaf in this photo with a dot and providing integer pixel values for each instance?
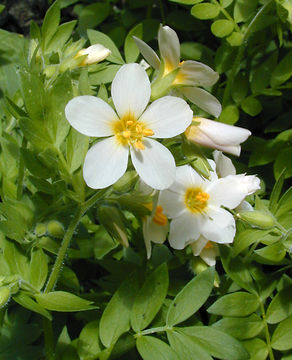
(236, 304)
(2, 7)
(50, 24)
(283, 161)
(251, 106)
(229, 115)
(276, 192)
(63, 301)
(131, 50)
(96, 37)
(225, 3)
(35, 133)
(236, 269)
(115, 319)
(26, 301)
(150, 298)
(76, 149)
(257, 348)
(187, 2)
(16, 260)
(88, 345)
(262, 74)
(61, 36)
(205, 11)
(235, 39)
(14, 109)
(186, 347)
(243, 10)
(34, 165)
(281, 339)
(285, 204)
(283, 71)
(38, 268)
(274, 252)
(191, 297)
(240, 87)
(240, 328)
(280, 307)
(216, 343)
(152, 348)
(222, 27)
(92, 15)
(104, 76)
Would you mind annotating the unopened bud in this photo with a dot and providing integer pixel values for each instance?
(95, 53)
(257, 218)
(55, 229)
(197, 265)
(4, 296)
(40, 229)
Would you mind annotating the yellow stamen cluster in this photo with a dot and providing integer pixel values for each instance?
(159, 218)
(209, 245)
(130, 131)
(196, 200)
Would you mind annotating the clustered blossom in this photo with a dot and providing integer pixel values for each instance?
(188, 208)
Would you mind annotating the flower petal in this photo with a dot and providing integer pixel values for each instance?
(228, 191)
(198, 245)
(184, 229)
(95, 53)
(209, 255)
(172, 203)
(169, 47)
(131, 90)
(90, 116)
(148, 53)
(203, 100)
(105, 163)
(224, 165)
(155, 164)
(220, 226)
(167, 117)
(195, 73)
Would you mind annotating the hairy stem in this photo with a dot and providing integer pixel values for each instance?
(267, 334)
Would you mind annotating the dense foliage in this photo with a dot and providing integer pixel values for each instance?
(76, 279)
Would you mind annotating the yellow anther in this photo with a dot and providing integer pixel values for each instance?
(209, 245)
(159, 218)
(126, 134)
(196, 200)
(148, 132)
(202, 197)
(139, 128)
(129, 122)
(139, 145)
(149, 206)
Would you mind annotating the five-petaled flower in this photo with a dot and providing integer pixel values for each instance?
(132, 129)
(195, 206)
(191, 74)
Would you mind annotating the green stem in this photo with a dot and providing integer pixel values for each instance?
(49, 339)
(267, 334)
(153, 330)
(240, 53)
(20, 172)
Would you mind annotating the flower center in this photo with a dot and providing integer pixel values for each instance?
(209, 245)
(196, 200)
(159, 218)
(130, 131)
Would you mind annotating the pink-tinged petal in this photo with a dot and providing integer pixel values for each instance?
(167, 117)
(90, 116)
(224, 165)
(220, 226)
(184, 229)
(203, 99)
(131, 90)
(169, 47)
(155, 164)
(105, 163)
(194, 73)
(148, 53)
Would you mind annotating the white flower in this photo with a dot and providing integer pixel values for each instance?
(155, 228)
(207, 250)
(191, 73)
(130, 130)
(95, 53)
(195, 206)
(216, 135)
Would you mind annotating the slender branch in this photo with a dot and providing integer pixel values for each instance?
(267, 334)
(153, 330)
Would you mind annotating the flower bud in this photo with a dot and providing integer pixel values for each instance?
(55, 228)
(197, 265)
(95, 53)
(216, 135)
(40, 229)
(257, 218)
(4, 296)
